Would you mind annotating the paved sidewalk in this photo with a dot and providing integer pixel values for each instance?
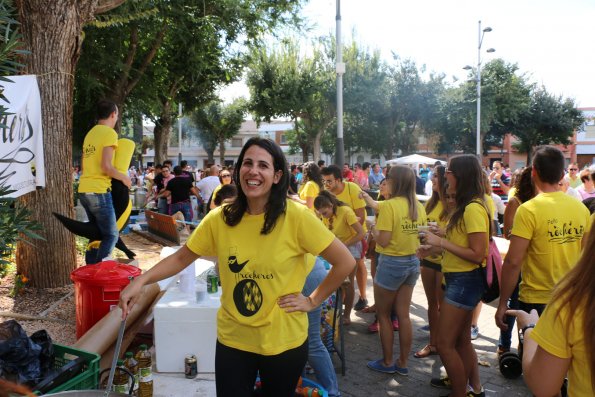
(361, 347)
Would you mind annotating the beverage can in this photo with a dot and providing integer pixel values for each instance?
(212, 283)
(190, 366)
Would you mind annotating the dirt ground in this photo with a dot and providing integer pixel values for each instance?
(56, 306)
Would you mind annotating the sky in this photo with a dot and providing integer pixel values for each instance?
(552, 41)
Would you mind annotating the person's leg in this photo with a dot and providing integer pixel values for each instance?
(405, 329)
(102, 208)
(505, 340)
(452, 322)
(186, 209)
(474, 329)
(469, 356)
(384, 299)
(235, 371)
(349, 291)
(280, 373)
(361, 276)
(428, 279)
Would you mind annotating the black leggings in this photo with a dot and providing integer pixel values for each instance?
(235, 371)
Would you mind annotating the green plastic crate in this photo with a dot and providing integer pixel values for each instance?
(88, 379)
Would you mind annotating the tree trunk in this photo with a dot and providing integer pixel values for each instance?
(162, 132)
(222, 151)
(137, 129)
(210, 156)
(52, 33)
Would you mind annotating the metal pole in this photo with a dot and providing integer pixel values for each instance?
(179, 134)
(478, 150)
(340, 68)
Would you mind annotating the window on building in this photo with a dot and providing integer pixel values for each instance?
(283, 139)
(236, 142)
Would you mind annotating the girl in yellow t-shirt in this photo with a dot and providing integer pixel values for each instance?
(311, 186)
(261, 240)
(431, 267)
(398, 268)
(562, 341)
(464, 251)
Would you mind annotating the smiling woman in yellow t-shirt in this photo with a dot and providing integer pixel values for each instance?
(562, 341)
(396, 238)
(261, 240)
(464, 251)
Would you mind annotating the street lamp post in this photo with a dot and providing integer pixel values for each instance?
(340, 69)
(480, 35)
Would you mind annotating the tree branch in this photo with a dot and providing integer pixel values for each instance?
(107, 5)
(147, 61)
(122, 86)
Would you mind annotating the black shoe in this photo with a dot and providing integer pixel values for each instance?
(471, 393)
(361, 304)
(440, 383)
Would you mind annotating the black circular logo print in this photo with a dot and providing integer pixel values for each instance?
(248, 297)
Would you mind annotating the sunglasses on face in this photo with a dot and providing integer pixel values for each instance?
(226, 176)
(325, 182)
(573, 169)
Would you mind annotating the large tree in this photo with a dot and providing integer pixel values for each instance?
(52, 33)
(219, 122)
(545, 120)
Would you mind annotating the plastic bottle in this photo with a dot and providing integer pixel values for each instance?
(120, 384)
(145, 374)
(132, 365)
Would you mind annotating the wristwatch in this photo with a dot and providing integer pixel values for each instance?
(526, 327)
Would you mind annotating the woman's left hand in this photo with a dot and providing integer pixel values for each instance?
(523, 318)
(295, 303)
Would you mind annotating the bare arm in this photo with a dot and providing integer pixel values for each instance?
(511, 269)
(476, 252)
(543, 372)
(167, 267)
(509, 214)
(370, 202)
(361, 215)
(106, 166)
(359, 230)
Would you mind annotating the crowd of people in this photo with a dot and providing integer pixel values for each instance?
(273, 225)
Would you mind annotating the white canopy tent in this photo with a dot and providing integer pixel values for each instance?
(414, 159)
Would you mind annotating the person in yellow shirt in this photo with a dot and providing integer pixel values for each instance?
(464, 249)
(95, 183)
(225, 178)
(261, 240)
(546, 238)
(431, 267)
(398, 268)
(349, 193)
(311, 185)
(560, 342)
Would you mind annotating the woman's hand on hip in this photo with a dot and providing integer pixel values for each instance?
(296, 303)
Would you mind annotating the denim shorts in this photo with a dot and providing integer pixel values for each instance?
(356, 250)
(464, 289)
(394, 271)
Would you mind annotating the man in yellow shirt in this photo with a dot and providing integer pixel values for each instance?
(546, 237)
(98, 170)
(348, 192)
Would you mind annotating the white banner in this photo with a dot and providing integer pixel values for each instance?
(21, 145)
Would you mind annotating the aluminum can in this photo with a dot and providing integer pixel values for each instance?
(190, 366)
(212, 284)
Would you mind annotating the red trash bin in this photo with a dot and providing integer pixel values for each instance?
(97, 291)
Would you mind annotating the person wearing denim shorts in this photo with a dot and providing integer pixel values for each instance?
(95, 182)
(398, 268)
(464, 250)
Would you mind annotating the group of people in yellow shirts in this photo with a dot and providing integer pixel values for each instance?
(267, 243)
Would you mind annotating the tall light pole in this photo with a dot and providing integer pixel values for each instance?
(180, 133)
(480, 34)
(340, 68)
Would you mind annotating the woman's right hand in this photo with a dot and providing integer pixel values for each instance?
(129, 296)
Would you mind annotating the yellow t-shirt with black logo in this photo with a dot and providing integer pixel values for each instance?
(93, 179)
(256, 270)
(555, 224)
(393, 216)
(563, 336)
(341, 223)
(475, 220)
(434, 216)
(350, 196)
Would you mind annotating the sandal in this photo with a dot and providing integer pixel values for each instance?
(428, 350)
(369, 309)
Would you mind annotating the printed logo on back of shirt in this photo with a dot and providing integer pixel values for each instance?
(89, 151)
(562, 233)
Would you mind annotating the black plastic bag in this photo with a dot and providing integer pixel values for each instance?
(19, 355)
(46, 356)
